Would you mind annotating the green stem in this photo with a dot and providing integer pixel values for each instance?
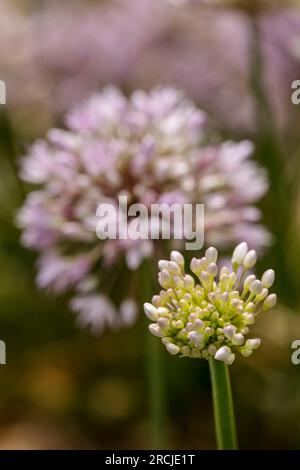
(9, 146)
(155, 371)
(223, 405)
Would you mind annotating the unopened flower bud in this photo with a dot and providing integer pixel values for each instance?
(150, 311)
(178, 282)
(224, 354)
(161, 311)
(248, 318)
(211, 255)
(172, 348)
(196, 337)
(238, 339)
(256, 287)
(245, 330)
(270, 301)
(253, 343)
(189, 281)
(204, 278)
(250, 307)
(208, 331)
(163, 323)
(177, 258)
(163, 264)
(268, 278)
(250, 259)
(178, 324)
(262, 295)
(212, 269)
(229, 331)
(212, 349)
(174, 268)
(248, 281)
(155, 330)
(195, 266)
(165, 278)
(239, 253)
(199, 323)
(156, 301)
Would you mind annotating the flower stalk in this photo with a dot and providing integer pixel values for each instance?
(223, 405)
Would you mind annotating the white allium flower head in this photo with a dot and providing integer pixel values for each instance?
(209, 317)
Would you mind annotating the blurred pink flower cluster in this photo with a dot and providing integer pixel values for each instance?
(151, 147)
(61, 53)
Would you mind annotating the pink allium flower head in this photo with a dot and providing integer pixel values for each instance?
(149, 147)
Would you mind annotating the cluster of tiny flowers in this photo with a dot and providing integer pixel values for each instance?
(149, 147)
(210, 316)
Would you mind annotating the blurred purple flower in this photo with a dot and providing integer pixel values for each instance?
(60, 273)
(97, 312)
(149, 147)
(208, 52)
(101, 45)
(61, 53)
(94, 311)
